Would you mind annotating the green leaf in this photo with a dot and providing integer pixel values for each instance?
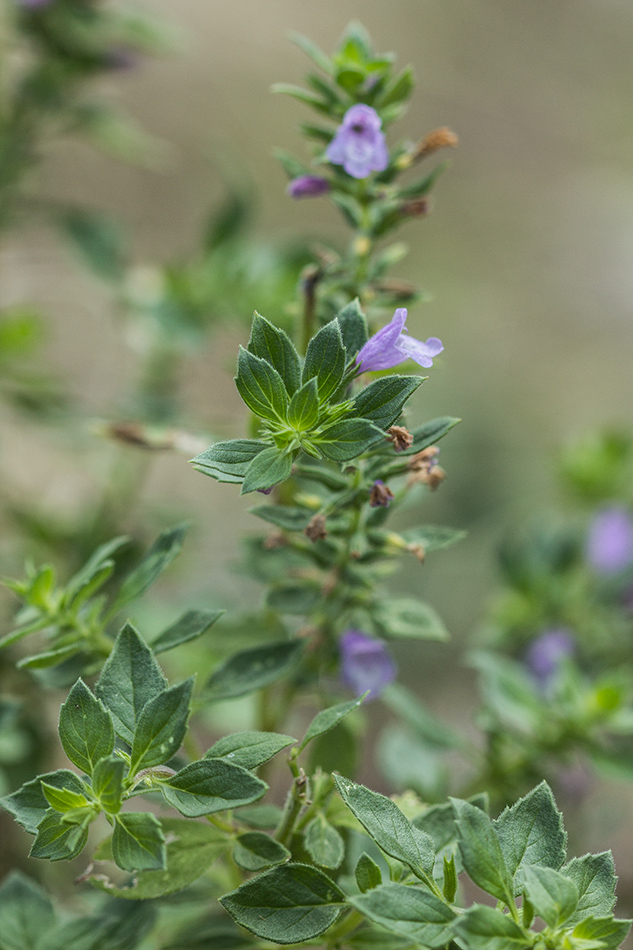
(253, 669)
(28, 804)
(228, 461)
(211, 785)
(107, 782)
(367, 873)
(408, 618)
(192, 847)
(267, 469)
(303, 95)
(430, 433)
(275, 346)
(26, 913)
(59, 840)
(255, 851)
(261, 816)
(428, 727)
(408, 911)
(383, 400)
(130, 678)
(486, 928)
(261, 387)
(303, 412)
(433, 537)
(328, 718)
(325, 360)
(595, 879)
(86, 729)
(288, 517)
(249, 749)
(388, 827)
(348, 439)
(288, 904)
(99, 242)
(481, 851)
(323, 843)
(608, 931)
(192, 624)
(295, 597)
(138, 842)
(312, 50)
(399, 89)
(353, 327)
(159, 556)
(93, 568)
(531, 833)
(439, 821)
(423, 185)
(161, 727)
(449, 886)
(63, 799)
(553, 896)
(118, 927)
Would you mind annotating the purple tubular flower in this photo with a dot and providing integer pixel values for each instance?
(391, 346)
(308, 186)
(359, 145)
(609, 547)
(365, 663)
(546, 653)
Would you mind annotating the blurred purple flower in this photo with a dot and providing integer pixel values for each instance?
(380, 495)
(391, 346)
(609, 546)
(359, 145)
(32, 4)
(308, 186)
(545, 654)
(365, 663)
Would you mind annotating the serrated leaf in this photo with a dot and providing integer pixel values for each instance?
(325, 360)
(249, 749)
(86, 729)
(531, 832)
(481, 852)
(486, 928)
(107, 782)
(159, 556)
(63, 799)
(255, 851)
(553, 896)
(346, 440)
(211, 785)
(408, 618)
(267, 469)
(192, 847)
(289, 904)
(408, 911)
(367, 873)
(138, 842)
(303, 412)
(28, 804)
(275, 346)
(57, 840)
(328, 718)
(388, 827)
(353, 327)
(608, 931)
(383, 400)
(130, 678)
(323, 843)
(439, 821)
(261, 387)
(228, 461)
(26, 913)
(161, 727)
(595, 879)
(254, 669)
(192, 624)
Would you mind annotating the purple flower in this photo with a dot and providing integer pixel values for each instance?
(32, 4)
(308, 186)
(359, 145)
(546, 653)
(609, 547)
(365, 663)
(391, 346)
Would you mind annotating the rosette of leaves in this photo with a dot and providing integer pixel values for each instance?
(75, 618)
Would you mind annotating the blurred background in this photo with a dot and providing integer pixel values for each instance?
(527, 259)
